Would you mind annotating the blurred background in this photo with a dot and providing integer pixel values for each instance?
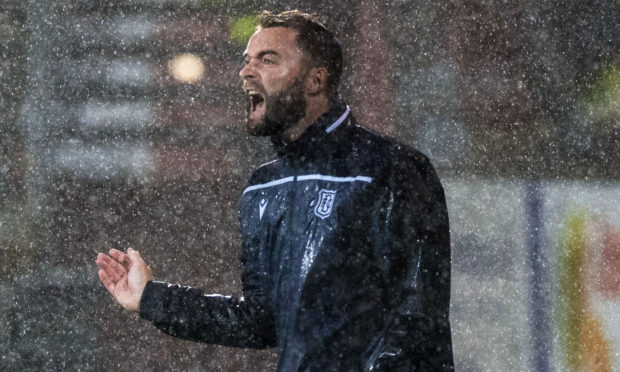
(121, 124)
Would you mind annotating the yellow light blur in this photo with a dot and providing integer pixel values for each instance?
(186, 68)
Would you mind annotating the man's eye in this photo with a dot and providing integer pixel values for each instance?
(267, 61)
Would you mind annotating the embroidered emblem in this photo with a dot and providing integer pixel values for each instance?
(261, 208)
(325, 204)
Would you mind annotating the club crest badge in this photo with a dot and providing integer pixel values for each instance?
(325, 204)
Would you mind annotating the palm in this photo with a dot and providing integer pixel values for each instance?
(124, 276)
(122, 291)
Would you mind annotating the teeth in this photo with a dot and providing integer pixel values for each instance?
(251, 92)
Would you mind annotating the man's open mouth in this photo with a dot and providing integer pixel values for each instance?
(257, 102)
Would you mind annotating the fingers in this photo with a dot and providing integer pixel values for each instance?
(114, 270)
(121, 257)
(107, 282)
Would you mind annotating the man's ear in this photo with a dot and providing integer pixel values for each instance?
(316, 80)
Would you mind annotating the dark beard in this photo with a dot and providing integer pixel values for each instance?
(283, 110)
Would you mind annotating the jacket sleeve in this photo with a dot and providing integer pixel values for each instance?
(417, 332)
(190, 314)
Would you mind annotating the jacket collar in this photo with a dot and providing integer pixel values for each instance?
(317, 133)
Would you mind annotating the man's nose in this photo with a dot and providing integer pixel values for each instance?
(248, 71)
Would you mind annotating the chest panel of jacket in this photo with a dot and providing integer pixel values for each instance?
(296, 219)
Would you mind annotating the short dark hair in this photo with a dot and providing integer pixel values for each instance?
(314, 38)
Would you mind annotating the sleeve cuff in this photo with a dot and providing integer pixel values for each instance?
(152, 301)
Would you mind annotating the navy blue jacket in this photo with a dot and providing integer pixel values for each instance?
(346, 259)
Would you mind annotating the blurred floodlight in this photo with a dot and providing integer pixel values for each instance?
(186, 68)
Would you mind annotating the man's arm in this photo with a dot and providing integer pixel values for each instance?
(417, 333)
(186, 312)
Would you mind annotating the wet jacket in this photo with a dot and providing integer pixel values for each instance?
(346, 260)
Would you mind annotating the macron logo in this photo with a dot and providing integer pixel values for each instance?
(261, 208)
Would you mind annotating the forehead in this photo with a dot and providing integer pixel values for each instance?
(279, 39)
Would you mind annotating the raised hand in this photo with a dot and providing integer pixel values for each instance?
(124, 276)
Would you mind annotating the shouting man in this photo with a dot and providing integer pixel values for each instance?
(345, 240)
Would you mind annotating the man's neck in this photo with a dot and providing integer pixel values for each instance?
(315, 107)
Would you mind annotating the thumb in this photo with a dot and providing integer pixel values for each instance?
(133, 255)
(137, 262)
